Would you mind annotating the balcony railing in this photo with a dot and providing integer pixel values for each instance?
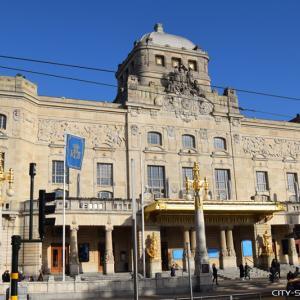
(89, 204)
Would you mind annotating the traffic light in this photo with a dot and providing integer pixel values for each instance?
(45, 210)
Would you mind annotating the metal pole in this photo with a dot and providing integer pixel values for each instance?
(16, 244)
(143, 219)
(189, 270)
(32, 173)
(64, 216)
(135, 265)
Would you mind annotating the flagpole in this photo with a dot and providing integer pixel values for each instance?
(143, 218)
(64, 213)
(135, 275)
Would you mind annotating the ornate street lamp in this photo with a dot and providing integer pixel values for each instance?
(202, 270)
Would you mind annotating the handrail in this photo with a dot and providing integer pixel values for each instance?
(247, 258)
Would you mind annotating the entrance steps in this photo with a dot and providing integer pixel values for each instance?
(234, 273)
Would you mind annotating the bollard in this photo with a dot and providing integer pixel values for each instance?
(14, 276)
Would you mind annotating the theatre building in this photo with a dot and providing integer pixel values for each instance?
(165, 117)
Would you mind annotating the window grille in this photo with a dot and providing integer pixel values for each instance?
(58, 172)
(222, 180)
(154, 138)
(188, 141)
(156, 180)
(262, 181)
(2, 121)
(219, 143)
(104, 174)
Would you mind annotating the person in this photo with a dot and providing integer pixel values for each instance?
(215, 274)
(40, 278)
(296, 273)
(242, 271)
(6, 276)
(173, 270)
(277, 267)
(289, 276)
(247, 271)
(273, 273)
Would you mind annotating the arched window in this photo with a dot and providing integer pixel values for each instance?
(2, 121)
(105, 195)
(59, 193)
(219, 143)
(188, 141)
(154, 138)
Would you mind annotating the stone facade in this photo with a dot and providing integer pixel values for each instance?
(164, 88)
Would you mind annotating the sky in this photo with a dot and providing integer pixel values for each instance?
(253, 45)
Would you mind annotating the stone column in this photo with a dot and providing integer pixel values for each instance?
(193, 249)
(74, 261)
(109, 264)
(223, 248)
(186, 240)
(231, 256)
(293, 256)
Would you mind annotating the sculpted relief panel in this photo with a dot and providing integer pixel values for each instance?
(96, 135)
(271, 147)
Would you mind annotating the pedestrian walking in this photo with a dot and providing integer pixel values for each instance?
(242, 272)
(277, 267)
(173, 270)
(215, 274)
(247, 271)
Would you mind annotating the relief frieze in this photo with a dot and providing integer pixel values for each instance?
(270, 147)
(53, 131)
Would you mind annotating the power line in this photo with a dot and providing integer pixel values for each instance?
(115, 86)
(57, 64)
(113, 71)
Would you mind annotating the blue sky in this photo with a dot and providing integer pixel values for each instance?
(252, 45)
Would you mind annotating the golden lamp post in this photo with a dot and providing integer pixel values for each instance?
(200, 188)
(9, 177)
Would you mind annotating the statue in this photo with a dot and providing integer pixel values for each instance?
(152, 246)
(266, 244)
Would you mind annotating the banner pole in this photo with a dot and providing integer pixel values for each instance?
(64, 213)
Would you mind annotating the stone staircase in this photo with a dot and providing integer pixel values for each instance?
(234, 273)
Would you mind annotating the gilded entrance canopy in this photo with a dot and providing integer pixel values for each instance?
(181, 212)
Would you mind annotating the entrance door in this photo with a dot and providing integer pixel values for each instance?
(57, 259)
(164, 256)
(101, 257)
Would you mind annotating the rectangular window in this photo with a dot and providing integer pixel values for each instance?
(187, 172)
(104, 174)
(222, 178)
(58, 172)
(192, 65)
(156, 180)
(176, 62)
(160, 60)
(292, 182)
(262, 184)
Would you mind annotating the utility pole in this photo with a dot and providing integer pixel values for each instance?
(32, 173)
(134, 237)
(16, 245)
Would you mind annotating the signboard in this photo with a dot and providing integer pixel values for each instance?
(74, 151)
(177, 254)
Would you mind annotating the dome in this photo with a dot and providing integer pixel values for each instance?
(159, 37)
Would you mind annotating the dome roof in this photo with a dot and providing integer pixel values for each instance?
(159, 37)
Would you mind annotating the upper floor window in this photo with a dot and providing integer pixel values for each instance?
(187, 172)
(192, 65)
(156, 180)
(58, 172)
(219, 143)
(188, 141)
(262, 184)
(176, 62)
(104, 174)
(292, 182)
(2, 121)
(105, 195)
(160, 60)
(154, 138)
(223, 187)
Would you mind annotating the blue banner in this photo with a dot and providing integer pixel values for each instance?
(74, 151)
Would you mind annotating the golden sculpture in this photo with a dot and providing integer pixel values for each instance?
(152, 246)
(266, 244)
(5, 176)
(197, 184)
